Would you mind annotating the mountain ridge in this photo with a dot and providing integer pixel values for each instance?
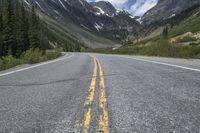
(87, 16)
(166, 9)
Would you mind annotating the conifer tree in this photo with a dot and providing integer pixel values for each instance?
(165, 32)
(18, 32)
(24, 27)
(1, 28)
(21, 29)
(8, 37)
(34, 30)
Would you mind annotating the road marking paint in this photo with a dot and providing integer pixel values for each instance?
(162, 63)
(90, 99)
(103, 119)
(34, 66)
(87, 120)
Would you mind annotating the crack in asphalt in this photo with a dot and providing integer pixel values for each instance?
(54, 82)
(88, 77)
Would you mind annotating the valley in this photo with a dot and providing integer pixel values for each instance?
(99, 25)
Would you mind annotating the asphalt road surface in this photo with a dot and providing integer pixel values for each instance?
(94, 93)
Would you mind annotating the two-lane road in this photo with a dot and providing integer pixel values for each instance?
(91, 93)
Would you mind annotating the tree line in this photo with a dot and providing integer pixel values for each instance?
(19, 29)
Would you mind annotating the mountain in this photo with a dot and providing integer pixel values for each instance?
(88, 21)
(166, 9)
(178, 36)
(104, 7)
(125, 22)
(187, 21)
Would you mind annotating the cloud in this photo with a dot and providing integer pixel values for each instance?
(142, 6)
(135, 7)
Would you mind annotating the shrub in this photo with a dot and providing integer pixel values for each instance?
(1, 64)
(186, 39)
(198, 56)
(29, 57)
(52, 54)
(32, 56)
(8, 62)
(158, 47)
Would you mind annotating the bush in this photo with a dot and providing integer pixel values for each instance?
(53, 54)
(8, 62)
(186, 39)
(32, 56)
(159, 47)
(29, 57)
(198, 56)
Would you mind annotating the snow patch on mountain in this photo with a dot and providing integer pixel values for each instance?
(98, 26)
(101, 11)
(62, 4)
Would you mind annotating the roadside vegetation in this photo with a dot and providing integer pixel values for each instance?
(162, 48)
(158, 46)
(25, 38)
(31, 56)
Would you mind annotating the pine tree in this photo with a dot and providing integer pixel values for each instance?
(34, 30)
(165, 32)
(21, 29)
(8, 37)
(1, 28)
(18, 33)
(25, 27)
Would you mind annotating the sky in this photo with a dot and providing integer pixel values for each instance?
(135, 7)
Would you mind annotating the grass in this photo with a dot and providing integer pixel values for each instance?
(58, 35)
(190, 24)
(29, 57)
(157, 47)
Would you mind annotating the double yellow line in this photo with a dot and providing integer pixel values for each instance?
(103, 118)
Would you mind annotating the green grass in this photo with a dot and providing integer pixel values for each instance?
(59, 34)
(159, 47)
(190, 24)
(29, 57)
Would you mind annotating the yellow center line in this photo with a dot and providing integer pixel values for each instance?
(103, 119)
(90, 98)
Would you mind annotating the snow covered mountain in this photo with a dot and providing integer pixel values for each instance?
(100, 18)
(166, 9)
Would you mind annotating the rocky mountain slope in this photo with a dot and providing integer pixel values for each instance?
(166, 9)
(100, 19)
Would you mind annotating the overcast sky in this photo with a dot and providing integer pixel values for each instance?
(135, 7)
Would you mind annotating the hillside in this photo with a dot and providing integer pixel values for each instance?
(178, 36)
(90, 23)
(166, 9)
(63, 35)
(186, 21)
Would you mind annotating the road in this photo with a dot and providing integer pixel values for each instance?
(96, 93)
